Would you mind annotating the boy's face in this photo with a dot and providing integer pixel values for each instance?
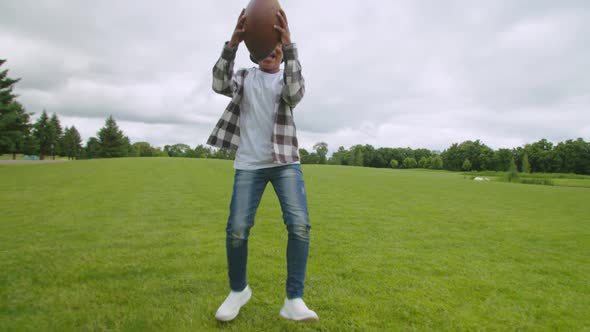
(272, 63)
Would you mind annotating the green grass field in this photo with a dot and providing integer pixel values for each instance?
(138, 244)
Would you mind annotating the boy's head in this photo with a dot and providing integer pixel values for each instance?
(272, 63)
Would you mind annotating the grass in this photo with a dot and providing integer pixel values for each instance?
(138, 244)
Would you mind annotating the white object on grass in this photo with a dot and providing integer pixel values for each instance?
(478, 178)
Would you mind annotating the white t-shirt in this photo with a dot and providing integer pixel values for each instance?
(257, 112)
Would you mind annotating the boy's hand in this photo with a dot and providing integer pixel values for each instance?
(238, 36)
(283, 29)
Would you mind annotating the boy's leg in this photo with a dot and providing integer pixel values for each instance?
(247, 190)
(290, 189)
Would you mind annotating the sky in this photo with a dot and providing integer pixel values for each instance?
(420, 74)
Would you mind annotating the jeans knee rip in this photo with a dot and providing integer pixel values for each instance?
(299, 231)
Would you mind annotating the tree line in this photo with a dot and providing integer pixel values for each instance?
(570, 156)
(47, 138)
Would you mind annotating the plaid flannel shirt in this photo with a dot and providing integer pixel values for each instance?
(226, 133)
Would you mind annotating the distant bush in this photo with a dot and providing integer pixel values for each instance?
(557, 176)
(546, 182)
(532, 175)
(410, 162)
(512, 174)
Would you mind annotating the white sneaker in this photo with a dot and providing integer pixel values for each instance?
(295, 309)
(232, 304)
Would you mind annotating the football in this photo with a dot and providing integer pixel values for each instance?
(261, 37)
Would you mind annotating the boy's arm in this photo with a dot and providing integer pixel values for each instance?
(294, 88)
(223, 72)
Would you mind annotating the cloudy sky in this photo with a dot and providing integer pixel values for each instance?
(387, 73)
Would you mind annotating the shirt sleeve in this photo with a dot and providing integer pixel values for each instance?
(294, 87)
(223, 72)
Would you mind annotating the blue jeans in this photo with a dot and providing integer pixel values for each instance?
(247, 191)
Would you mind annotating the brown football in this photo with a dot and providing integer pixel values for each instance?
(261, 37)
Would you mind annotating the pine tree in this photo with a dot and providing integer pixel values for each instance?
(72, 143)
(92, 149)
(75, 143)
(512, 173)
(112, 142)
(56, 136)
(43, 132)
(65, 148)
(14, 120)
(30, 145)
(6, 86)
(14, 128)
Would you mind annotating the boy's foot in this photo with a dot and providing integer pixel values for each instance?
(232, 304)
(295, 309)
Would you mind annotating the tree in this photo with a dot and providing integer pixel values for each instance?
(410, 162)
(422, 153)
(501, 160)
(452, 157)
(112, 142)
(72, 143)
(14, 120)
(178, 150)
(158, 152)
(43, 134)
(437, 162)
(572, 156)
(202, 151)
(14, 128)
(6, 86)
(303, 154)
(394, 163)
(127, 147)
(539, 155)
(308, 158)
(92, 148)
(356, 157)
(480, 156)
(368, 154)
(321, 149)
(30, 145)
(466, 165)
(144, 149)
(56, 136)
(526, 167)
(512, 173)
(227, 154)
(424, 162)
(339, 157)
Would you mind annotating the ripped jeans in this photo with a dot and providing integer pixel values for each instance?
(247, 191)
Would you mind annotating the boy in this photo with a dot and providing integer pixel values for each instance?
(259, 123)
